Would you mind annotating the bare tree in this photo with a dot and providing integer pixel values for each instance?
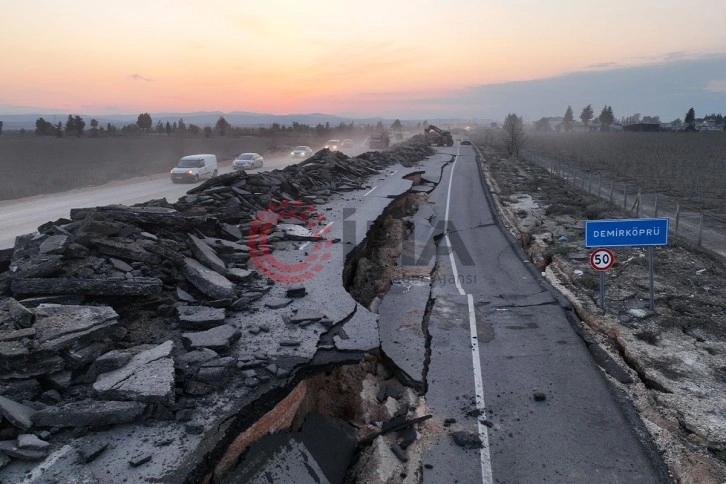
(514, 137)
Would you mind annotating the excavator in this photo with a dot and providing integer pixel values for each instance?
(437, 136)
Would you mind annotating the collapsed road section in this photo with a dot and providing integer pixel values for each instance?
(159, 342)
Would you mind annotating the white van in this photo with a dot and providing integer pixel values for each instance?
(194, 167)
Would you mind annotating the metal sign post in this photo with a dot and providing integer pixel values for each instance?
(602, 260)
(640, 232)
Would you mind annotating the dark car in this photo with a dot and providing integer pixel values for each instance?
(465, 141)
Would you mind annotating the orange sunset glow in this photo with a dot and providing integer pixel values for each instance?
(359, 58)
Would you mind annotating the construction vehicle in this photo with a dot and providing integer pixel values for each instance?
(379, 141)
(438, 137)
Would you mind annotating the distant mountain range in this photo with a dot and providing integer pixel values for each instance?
(206, 118)
(26, 119)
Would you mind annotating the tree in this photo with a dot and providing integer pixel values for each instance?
(144, 122)
(181, 127)
(43, 127)
(194, 129)
(94, 128)
(1, 127)
(70, 124)
(569, 120)
(168, 129)
(514, 137)
(221, 126)
(690, 120)
(379, 126)
(606, 118)
(208, 131)
(587, 114)
(396, 126)
(78, 124)
(59, 130)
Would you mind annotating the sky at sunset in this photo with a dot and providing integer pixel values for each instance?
(392, 58)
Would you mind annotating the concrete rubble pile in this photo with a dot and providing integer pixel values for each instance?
(132, 314)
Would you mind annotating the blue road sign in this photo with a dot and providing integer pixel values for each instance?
(636, 232)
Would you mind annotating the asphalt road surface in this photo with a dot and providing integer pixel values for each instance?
(507, 367)
(22, 216)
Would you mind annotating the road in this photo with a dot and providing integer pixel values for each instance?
(507, 366)
(22, 216)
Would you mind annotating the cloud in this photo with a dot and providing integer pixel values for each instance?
(602, 65)
(718, 85)
(139, 77)
(666, 88)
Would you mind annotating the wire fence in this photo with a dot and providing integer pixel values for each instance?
(704, 229)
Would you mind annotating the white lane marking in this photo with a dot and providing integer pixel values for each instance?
(394, 172)
(484, 453)
(316, 234)
(47, 464)
(369, 191)
(446, 229)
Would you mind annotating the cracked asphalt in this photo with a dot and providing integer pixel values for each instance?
(507, 366)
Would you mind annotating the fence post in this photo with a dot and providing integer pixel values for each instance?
(637, 204)
(656, 206)
(678, 215)
(700, 230)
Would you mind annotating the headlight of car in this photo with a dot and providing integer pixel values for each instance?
(190, 172)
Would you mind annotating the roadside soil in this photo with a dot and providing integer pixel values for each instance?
(675, 355)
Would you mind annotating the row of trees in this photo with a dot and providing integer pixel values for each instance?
(75, 125)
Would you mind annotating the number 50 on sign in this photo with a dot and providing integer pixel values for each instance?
(601, 259)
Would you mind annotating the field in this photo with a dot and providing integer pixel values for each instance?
(34, 165)
(688, 166)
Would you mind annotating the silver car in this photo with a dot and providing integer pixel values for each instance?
(248, 161)
(302, 152)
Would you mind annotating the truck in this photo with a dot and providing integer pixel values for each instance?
(379, 141)
(438, 137)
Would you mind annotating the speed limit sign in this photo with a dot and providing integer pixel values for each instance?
(601, 259)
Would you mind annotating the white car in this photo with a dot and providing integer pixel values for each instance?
(302, 151)
(248, 161)
(333, 144)
(193, 167)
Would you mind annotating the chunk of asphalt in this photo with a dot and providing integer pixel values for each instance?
(296, 291)
(88, 413)
(139, 459)
(209, 282)
(467, 440)
(89, 451)
(406, 437)
(278, 302)
(147, 377)
(199, 317)
(11, 449)
(184, 296)
(304, 315)
(206, 255)
(220, 338)
(16, 413)
(113, 360)
(399, 452)
(539, 396)
(30, 441)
